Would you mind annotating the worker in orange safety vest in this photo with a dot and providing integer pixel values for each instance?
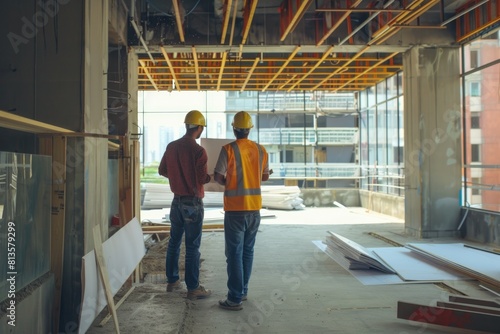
(241, 167)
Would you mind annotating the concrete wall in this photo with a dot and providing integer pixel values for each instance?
(482, 227)
(326, 197)
(383, 203)
(378, 202)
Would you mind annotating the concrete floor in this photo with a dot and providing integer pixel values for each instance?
(295, 288)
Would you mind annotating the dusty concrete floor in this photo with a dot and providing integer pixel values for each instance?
(295, 288)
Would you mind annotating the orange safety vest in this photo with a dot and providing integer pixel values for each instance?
(246, 161)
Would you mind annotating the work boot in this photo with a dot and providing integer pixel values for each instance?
(174, 286)
(199, 293)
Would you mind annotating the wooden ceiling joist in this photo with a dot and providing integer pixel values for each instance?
(344, 66)
(318, 63)
(233, 23)
(289, 19)
(359, 10)
(146, 71)
(412, 12)
(225, 19)
(285, 64)
(249, 12)
(338, 23)
(256, 61)
(221, 70)
(172, 71)
(374, 66)
(196, 69)
(178, 20)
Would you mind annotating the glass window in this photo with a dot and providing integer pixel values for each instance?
(474, 58)
(382, 134)
(482, 108)
(474, 120)
(475, 153)
(381, 92)
(475, 186)
(475, 89)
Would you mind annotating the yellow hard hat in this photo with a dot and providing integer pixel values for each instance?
(194, 117)
(242, 120)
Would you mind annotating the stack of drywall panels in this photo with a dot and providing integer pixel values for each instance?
(158, 196)
(358, 256)
(478, 264)
(282, 197)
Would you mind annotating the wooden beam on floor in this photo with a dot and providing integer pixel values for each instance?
(468, 307)
(474, 301)
(448, 317)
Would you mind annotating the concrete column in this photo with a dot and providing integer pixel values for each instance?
(432, 147)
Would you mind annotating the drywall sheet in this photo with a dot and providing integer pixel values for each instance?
(213, 147)
(478, 263)
(365, 276)
(411, 266)
(360, 256)
(122, 253)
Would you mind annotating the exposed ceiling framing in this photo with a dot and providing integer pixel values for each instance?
(290, 45)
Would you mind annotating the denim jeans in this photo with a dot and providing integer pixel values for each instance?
(185, 216)
(240, 230)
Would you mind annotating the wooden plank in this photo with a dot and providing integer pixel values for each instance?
(58, 217)
(473, 301)
(123, 252)
(448, 317)
(136, 180)
(467, 307)
(103, 272)
(19, 123)
(107, 317)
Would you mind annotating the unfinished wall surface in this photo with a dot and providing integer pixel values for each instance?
(383, 203)
(40, 66)
(41, 59)
(432, 147)
(73, 236)
(481, 226)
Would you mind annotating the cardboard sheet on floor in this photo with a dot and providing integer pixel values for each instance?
(367, 276)
(411, 266)
(122, 253)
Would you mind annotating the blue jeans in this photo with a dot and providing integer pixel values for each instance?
(240, 230)
(186, 215)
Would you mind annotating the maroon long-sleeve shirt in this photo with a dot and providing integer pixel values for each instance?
(184, 163)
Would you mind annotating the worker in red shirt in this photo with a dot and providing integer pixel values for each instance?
(241, 167)
(184, 163)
